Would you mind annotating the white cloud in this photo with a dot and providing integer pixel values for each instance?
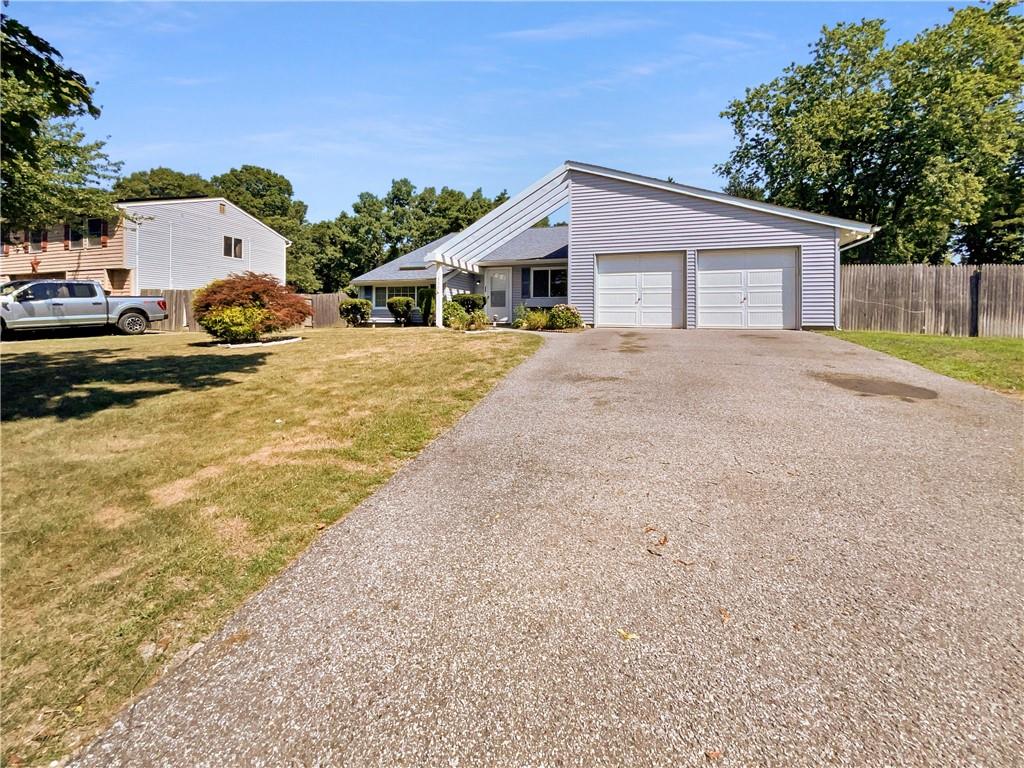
(578, 29)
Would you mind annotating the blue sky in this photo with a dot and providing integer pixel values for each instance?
(342, 98)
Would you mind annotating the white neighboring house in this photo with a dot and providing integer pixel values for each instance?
(162, 244)
(188, 243)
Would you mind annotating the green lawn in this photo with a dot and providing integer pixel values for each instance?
(151, 483)
(996, 363)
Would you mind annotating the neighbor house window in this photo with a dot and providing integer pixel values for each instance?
(94, 229)
(74, 234)
(381, 294)
(549, 283)
(232, 247)
(36, 238)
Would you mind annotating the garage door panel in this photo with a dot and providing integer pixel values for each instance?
(723, 279)
(765, 298)
(657, 301)
(722, 299)
(640, 290)
(656, 318)
(765, 318)
(763, 277)
(617, 280)
(610, 299)
(753, 288)
(621, 317)
(720, 319)
(656, 280)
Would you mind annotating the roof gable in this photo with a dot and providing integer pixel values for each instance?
(191, 200)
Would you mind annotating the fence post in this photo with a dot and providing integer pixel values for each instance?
(975, 293)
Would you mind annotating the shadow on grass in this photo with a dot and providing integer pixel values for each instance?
(77, 384)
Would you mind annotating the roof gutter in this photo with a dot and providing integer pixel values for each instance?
(860, 241)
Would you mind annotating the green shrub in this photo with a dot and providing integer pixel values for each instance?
(535, 320)
(425, 299)
(519, 315)
(478, 320)
(455, 316)
(355, 311)
(235, 324)
(283, 308)
(400, 308)
(470, 301)
(352, 291)
(564, 316)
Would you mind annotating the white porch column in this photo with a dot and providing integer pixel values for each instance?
(439, 296)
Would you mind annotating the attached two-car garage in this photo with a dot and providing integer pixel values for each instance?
(742, 288)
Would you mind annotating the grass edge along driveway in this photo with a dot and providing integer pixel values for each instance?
(151, 484)
(994, 363)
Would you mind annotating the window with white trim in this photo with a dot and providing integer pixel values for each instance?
(232, 247)
(382, 293)
(548, 283)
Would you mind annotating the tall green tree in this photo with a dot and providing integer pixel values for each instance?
(162, 182)
(918, 137)
(48, 171)
(382, 228)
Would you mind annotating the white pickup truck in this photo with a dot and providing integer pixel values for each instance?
(27, 305)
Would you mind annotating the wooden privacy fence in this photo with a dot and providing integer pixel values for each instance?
(179, 309)
(985, 300)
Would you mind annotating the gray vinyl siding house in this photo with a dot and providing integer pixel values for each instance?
(187, 243)
(643, 252)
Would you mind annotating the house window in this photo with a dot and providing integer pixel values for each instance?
(381, 294)
(549, 283)
(75, 234)
(36, 237)
(222, 208)
(232, 247)
(94, 229)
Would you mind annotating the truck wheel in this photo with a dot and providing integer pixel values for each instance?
(132, 323)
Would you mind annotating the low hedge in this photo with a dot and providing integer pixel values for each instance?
(470, 301)
(455, 316)
(355, 311)
(563, 316)
(400, 308)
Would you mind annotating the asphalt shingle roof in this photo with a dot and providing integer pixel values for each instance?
(533, 244)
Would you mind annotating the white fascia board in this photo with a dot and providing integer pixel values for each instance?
(720, 197)
(451, 252)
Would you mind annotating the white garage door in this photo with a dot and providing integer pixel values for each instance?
(753, 288)
(640, 290)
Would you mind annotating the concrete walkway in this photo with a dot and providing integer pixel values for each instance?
(658, 548)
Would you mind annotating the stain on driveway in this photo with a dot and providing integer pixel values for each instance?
(641, 559)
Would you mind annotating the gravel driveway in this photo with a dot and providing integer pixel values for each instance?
(646, 548)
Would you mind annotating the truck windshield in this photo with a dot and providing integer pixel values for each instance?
(8, 288)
